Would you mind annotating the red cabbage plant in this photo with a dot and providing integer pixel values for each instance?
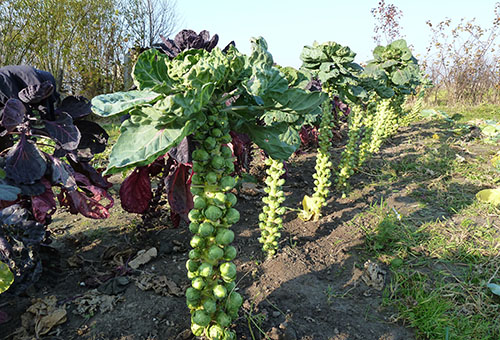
(44, 143)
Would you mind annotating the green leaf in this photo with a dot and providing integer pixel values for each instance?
(107, 105)
(268, 139)
(140, 144)
(401, 76)
(151, 72)
(6, 277)
(8, 192)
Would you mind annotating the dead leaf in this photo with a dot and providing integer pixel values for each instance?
(93, 301)
(373, 275)
(159, 284)
(143, 257)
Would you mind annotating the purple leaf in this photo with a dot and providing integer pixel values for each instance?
(177, 185)
(78, 202)
(24, 163)
(242, 148)
(75, 106)
(34, 94)
(182, 152)
(44, 205)
(97, 192)
(61, 173)
(93, 139)
(64, 131)
(135, 191)
(13, 114)
(94, 176)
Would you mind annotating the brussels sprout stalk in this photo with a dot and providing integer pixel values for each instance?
(211, 298)
(270, 219)
(349, 157)
(312, 205)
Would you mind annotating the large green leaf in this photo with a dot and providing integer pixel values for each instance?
(8, 192)
(6, 277)
(106, 105)
(268, 139)
(140, 144)
(151, 72)
(401, 76)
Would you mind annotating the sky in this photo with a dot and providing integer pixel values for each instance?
(289, 25)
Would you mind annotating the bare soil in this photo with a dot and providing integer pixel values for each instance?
(315, 288)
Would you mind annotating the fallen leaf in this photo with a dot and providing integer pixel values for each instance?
(489, 195)
(143, 257)
(495, 289)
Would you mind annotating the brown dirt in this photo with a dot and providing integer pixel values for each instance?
(311, 290)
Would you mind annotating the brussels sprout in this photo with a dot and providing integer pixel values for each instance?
(223, 319)
(194, 215)
(220, 291)
(232, 216)
(201, 318)
(192, 294)
(218, 162)
(196, 329)
(227, 183)
(215, 332)
(206, 270)
(197, 190)
(226, 152)
(235, 301)
(215, 253)
(213, 213)
(228, 269)
(199, 203)
(230, 286)
(230, 335)
(206, 229)
(194, 254)
(192, 265)
(226, 139)
(231, 199)
(197, 179)
(220, 198)
(197, 242)
(210, 306)
(198, 283)
(229, 253)
(193, 227)
(211, 178)
(210, 143)
(224, 236)
(200, 155)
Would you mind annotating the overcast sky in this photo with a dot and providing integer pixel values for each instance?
(289, 25)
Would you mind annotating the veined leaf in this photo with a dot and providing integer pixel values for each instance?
(139, 145)
(111, 104)
(151, 71)
(268, 138)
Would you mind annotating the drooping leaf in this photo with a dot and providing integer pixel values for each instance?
(107, 105)
(44, 205)
(98, 193)
(268, 139)
(78, 202)
(64, 131)
(34, 94)
(61, 173)
(13, 114)
(93, 139)
(135, 191)
(8, 192)
(76, 106)
(139, 145)
(90, 172)
(24, 163)
(177, 185)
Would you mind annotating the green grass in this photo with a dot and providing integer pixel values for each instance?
(444, 251)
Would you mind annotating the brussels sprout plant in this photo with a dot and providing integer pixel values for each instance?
(206, 95)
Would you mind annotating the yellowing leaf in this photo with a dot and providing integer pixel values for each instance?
(311, 209)
(6, 277)
(489, 195)
(435, 136)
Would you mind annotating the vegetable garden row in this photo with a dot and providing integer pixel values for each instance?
(189, 124)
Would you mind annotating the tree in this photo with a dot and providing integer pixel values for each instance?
(387, 18)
